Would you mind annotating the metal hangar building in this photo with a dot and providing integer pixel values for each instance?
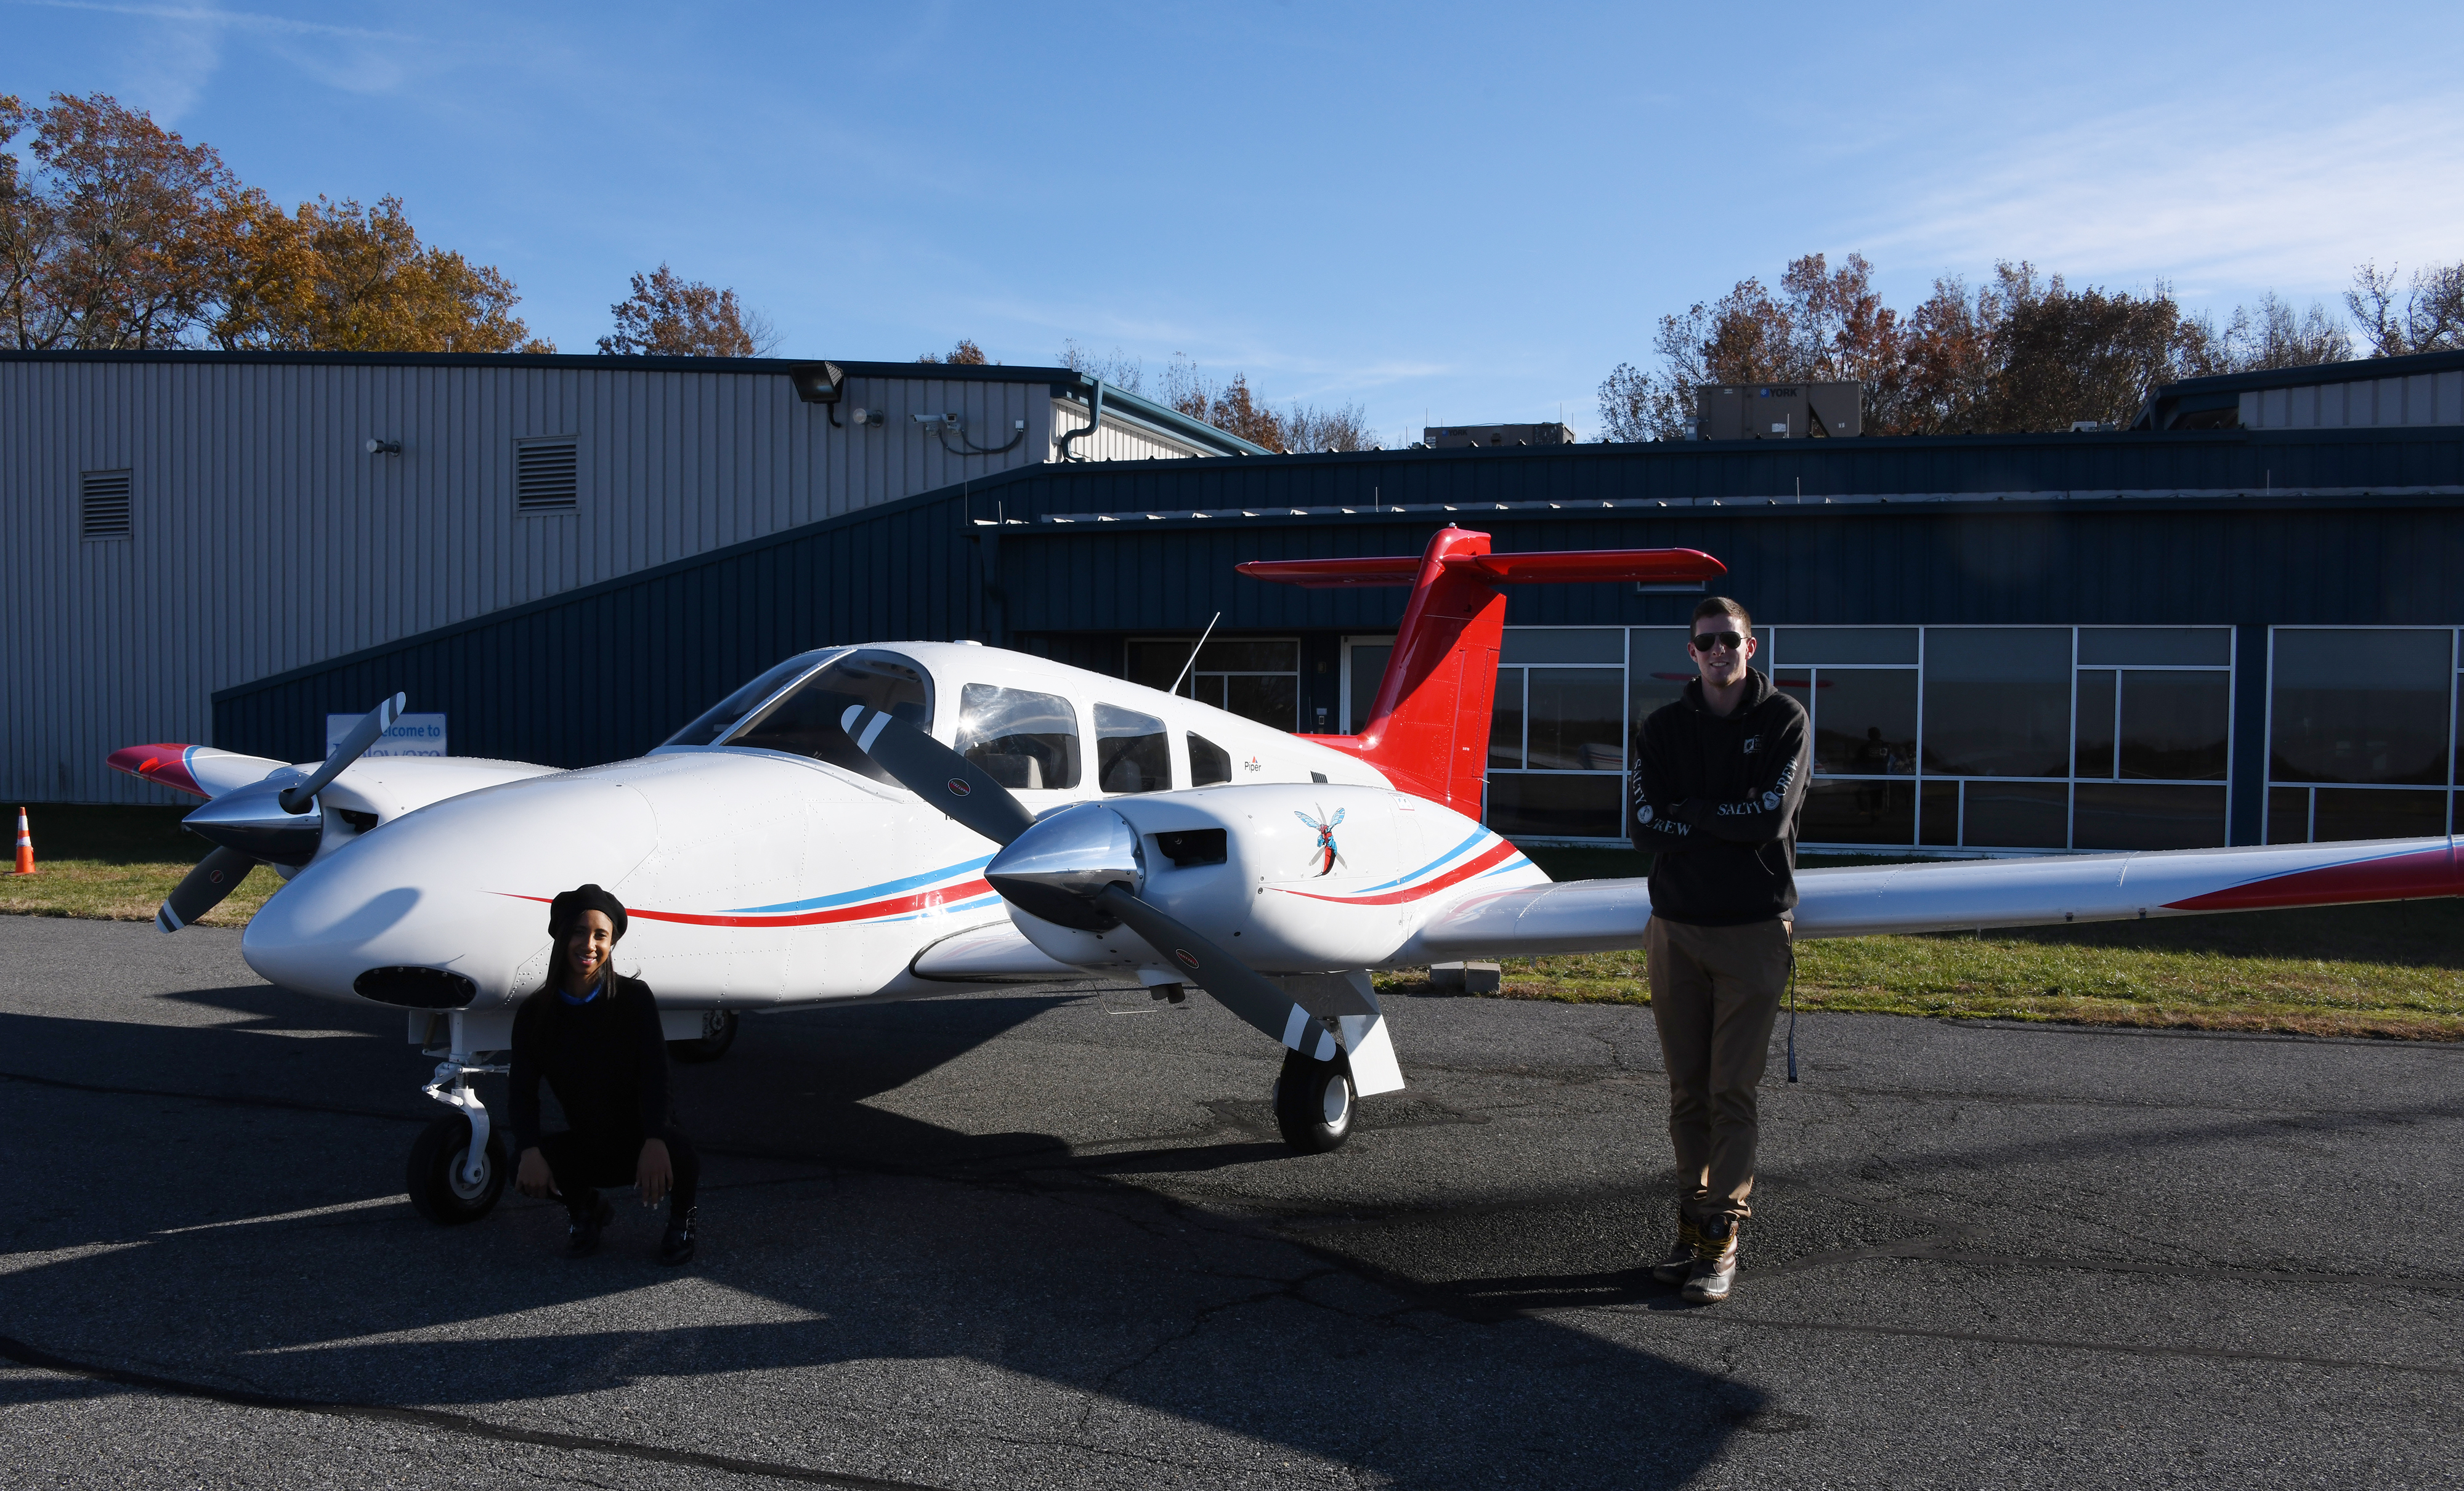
(2236, 624)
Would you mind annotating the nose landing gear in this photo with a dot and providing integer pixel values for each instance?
(460, 1163)
(1315, 1103)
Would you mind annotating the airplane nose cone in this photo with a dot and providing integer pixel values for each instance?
(461, 885)
(252, 821)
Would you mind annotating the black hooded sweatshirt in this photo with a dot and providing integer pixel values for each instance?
(606, 1060)
(1716, 801)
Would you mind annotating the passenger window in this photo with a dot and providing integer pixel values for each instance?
(806, 721)
(1020, 739)
(1209, 763)
(1132, 753)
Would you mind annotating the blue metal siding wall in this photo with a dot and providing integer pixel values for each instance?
(611, 670)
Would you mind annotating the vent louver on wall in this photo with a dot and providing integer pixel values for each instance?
(102, 504)
(543, 476)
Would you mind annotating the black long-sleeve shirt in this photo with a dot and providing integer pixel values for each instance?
(606, 1060)
(1715, 798)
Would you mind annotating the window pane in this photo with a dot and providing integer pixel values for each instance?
(1563, 644)
(2379, 815)
(1156, 662)
(1131, 751)
(1555, 806)
(2136, 816)
(1860, 812)
(1998, 701)
(1368, 671)
(2360, 706)
(1574, 719)
(1505, 721)
(2288, 814)
(1241, 655)
(806, 719)
(1020, 739)
(1940, 820)
(2016, 815)
(2173, 725)
(2155, 647)
(1865, 722)
(1797, 683)
(2095, 728)
(721, 717)
(1209, 763)
(1803, 647)
(1658, 672)
(1267, 699)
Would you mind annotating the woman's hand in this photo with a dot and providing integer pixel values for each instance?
(652, 1175)
(534, 1177)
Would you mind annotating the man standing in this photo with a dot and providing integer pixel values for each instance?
(1719, 776)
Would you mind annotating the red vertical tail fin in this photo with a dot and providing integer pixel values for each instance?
(1428, 730)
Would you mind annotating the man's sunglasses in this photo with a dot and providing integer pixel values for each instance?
(1705, 641)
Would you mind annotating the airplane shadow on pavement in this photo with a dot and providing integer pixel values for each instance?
(872, 1278)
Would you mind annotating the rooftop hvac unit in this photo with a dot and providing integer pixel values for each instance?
(1778, 411)
(1447, 437)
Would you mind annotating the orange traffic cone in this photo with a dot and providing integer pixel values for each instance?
(25, 846)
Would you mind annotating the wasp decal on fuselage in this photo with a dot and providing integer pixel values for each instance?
(1323, 854)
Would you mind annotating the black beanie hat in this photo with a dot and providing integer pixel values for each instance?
(569, 905)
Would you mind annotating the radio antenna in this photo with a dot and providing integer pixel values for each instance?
(1194, 651)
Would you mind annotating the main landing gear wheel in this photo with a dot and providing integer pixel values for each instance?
(717, 1034)
(1314, 1103)
(438, 1188)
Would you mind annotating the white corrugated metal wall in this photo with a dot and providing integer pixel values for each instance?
(2417, 399)
(265, 536)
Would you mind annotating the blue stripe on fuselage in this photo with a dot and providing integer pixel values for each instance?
(868, 892)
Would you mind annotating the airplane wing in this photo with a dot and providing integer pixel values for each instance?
(1599, 915)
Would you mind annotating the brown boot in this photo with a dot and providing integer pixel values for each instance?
(1715, 1263)
(1680, 1261)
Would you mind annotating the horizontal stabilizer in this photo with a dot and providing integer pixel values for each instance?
(1568, 567)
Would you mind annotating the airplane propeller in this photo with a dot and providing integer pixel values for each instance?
(262, 823)
(1078, 868)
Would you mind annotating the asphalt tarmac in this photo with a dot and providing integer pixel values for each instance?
(1048, 1238)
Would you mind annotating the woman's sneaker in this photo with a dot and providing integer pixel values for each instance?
(1673, 1269)
(582, 1231)
(1715, 1263)
(677, 1246)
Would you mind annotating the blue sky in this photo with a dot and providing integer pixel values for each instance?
(1460, 213)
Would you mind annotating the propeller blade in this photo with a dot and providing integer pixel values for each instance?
(203, 889)
(370, 729)
(939, 774)
(1235, 986)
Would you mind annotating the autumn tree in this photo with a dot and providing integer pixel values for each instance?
(1337, 427)
(966, 354)
(2430, 318)
(337, 277)
(109, 233)
(666, 315)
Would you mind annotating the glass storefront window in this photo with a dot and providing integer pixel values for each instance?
(2098, 694)
(1254, 677)
(1572, 723)
(2015, 815)
(2360, 705)
(1864, 721)
(1557, 806)
(2141, 816)
(1998, 701)
(1859, 812)
(1810, 646)
(2175, 725)
(2354, 813)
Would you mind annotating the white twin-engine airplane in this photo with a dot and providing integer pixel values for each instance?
(900, 819)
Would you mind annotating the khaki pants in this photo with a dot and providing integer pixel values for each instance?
(1715, 992)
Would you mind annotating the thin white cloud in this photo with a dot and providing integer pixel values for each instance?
(249, 20)
(2205, 197)
(180, 53)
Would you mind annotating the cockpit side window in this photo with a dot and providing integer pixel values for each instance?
(1209, 763)
(1020, 739)
(806, 720)
(721, 717)
(1131, 752)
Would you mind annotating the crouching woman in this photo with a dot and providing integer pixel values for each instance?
(594, 1035)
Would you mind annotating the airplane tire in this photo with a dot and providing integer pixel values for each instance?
(434, 1174)
(717, 1034)
(1315, 1103)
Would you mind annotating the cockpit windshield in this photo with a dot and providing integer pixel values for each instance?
(721, 717)
(805, 719)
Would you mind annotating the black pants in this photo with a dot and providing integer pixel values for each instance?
(583, 1162)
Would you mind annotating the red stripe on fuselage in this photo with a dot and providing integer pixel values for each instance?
(1501, 851)
(902, 906)
(2399, 877)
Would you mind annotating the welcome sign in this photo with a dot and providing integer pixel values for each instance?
(412, 734)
